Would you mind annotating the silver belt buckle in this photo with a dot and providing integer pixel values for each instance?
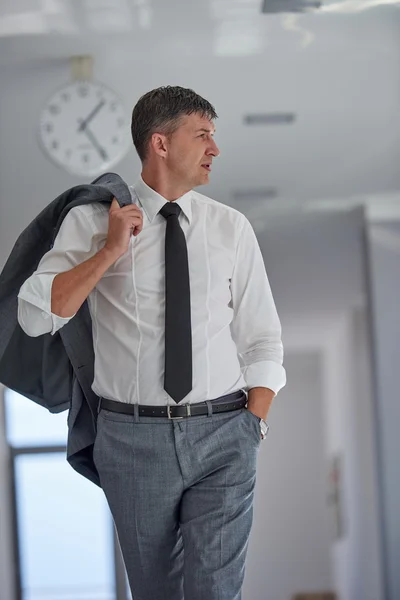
(188, 413)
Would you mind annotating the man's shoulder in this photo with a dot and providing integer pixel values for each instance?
(91, 216)
(91, 209)
(219, 207)
(94, 213)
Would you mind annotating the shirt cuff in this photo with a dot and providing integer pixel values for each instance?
(35, 317)
(266, 374)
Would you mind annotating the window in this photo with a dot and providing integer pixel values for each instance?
(28, 424)
(64, 532)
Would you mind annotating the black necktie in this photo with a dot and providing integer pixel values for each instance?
(178, 328)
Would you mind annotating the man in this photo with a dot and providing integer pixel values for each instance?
(183, 321)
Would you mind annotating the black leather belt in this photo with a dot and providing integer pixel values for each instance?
(230, 402)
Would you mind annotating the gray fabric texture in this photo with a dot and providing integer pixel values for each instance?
(55, 371)
(181, 495)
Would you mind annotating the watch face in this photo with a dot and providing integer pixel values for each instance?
(264, 427)
(84, 128)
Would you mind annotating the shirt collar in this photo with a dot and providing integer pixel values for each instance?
(152, 202)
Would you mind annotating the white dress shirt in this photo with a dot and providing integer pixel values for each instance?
(236, 332)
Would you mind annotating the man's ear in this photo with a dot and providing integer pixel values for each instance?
(159, 144)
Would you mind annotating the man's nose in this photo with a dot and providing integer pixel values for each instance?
(213, 149)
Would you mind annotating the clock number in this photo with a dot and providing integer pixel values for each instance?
(54, 109)
(113, 106)
(68, 153)
(66, 97)
(115, 139)
(120, 122)
(85, 158)
(48, 127)
(83, 91)
(55, 145)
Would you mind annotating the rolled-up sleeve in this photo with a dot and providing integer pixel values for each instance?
(73, 245)
(256, 328)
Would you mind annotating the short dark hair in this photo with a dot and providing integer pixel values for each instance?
(161, 110)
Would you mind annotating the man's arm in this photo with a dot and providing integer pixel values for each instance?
(71, 269)
(259, 401)
(256, 327)
(70, 289)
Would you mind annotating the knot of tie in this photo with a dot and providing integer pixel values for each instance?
(169, 209)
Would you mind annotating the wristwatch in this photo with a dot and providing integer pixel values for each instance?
(264, 428)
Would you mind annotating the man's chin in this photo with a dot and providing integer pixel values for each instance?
(203, 180)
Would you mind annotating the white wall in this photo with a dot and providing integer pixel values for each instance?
(316, 264)
(290, 544)
(369, 531)
(341, 337)
(357, 564)
(384, 242)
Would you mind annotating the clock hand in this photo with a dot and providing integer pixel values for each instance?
(94, 112)
(96, 144)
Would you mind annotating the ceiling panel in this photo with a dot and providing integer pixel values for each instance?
(337, 72)
(230, 18)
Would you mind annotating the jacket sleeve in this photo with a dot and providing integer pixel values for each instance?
(255, 327)
(74, 243)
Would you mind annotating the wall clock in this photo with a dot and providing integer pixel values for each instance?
(84, 127)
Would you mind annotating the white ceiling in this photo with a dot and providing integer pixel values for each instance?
(337, 70)
(41, 17)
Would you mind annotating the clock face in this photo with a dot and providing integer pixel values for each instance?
(84, 128)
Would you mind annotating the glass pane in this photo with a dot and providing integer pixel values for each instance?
(65, 532)
(29, 424)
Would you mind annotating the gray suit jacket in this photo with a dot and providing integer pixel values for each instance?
(57, 370)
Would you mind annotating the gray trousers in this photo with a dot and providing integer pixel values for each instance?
(181, 495)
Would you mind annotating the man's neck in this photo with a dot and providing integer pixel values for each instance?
(162, 185)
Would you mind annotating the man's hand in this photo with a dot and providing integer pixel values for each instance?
(71, 288)
(122, 224)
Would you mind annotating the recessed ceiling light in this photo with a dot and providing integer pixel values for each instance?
(270, 119)
(255, 194)
(282, 6)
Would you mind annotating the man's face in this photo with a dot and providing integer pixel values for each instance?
(191, 150)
